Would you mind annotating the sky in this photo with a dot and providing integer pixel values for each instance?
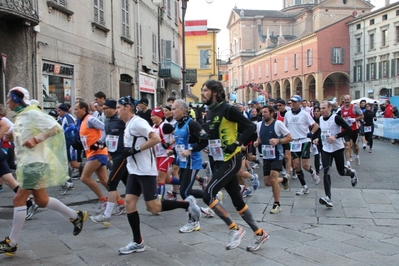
(217, 13)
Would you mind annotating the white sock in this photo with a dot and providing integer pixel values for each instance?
(348, 163)
(109, 209)
(56, 205)
(357, 156)
(17, 224)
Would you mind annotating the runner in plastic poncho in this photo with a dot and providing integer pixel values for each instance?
(47, 158)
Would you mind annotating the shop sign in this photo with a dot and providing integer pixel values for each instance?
(57, 69)
(147, 84)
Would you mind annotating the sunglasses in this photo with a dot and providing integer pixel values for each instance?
(279, 105)
(106, 108)
(289, 102)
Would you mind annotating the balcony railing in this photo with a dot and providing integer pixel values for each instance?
(169, 69)
(25, 11)
(191, 76)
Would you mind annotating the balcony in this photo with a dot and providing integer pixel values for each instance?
(191, 77)
(170, 71)
(20, 11)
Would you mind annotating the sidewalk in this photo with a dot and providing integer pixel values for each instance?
(361, 229)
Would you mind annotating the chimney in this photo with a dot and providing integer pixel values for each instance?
(387, 2)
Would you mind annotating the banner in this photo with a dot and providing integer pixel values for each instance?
(387, 128)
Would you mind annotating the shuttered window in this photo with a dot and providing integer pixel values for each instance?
(99, 12)
(125, 19)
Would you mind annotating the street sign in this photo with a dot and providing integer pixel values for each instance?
(4, 62)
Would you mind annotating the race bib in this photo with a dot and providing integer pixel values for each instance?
(112, 142)
(179, 148)
(158, 150)
(367, 129)
(296, 146)
(268, 152)
(325, 134)
(315, 151)
(349, 120)
(215, 149)
(83, 139)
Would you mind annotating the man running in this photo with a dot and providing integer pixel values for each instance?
(225, 122)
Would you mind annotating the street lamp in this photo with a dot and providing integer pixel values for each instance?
(218, 61)
(184, 70)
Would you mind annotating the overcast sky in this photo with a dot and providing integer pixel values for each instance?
(217, 13)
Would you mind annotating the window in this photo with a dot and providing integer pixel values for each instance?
(384, 17)
(267, 70)
(259, 72)
(371, 21)
(139, 40)
(154, 47)
(204, 55)
(275, 67)
(358, 26)
(337, 55)
(309, 57)
(176, 13)
(295, 61)
(252, 73)
(99, 12)
(384, 37)
(125, 19)
(373, 71)
(286, 64)
(397, 34)
(371, 41)
(359, 73)
(359, 45)
(357, 94)
(397, 12)
(60, 2)
(168, 11)
(298, 2)
(385, 69)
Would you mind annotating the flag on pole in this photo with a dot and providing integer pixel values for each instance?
(196, 27)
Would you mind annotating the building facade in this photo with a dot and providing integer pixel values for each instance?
(374, 42)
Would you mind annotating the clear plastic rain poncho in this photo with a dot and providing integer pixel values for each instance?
(46, 164)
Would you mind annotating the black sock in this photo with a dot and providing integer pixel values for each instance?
(134, 222)
(277, 203)
(16, 189)
(168, 205)
(174, 194)
(201, 179)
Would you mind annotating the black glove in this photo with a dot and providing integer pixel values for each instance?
(129, 152)
(309, 135)
(98, 145)
(165, 145)
(230, 148)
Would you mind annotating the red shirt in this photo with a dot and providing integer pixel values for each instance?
(388, 111)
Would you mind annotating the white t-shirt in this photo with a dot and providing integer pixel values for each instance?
(298, 125)
(330, 128)
(144, 162)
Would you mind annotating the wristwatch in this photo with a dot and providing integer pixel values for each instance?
(137, 148)
(279, 141)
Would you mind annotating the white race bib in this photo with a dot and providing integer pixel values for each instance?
(268, 152)
(296, 146)
(367, 129)
(83, 139)
(179, 148)
(349, 120)
(325, 134)
(215, 149)
(112, 142)
(315, 151)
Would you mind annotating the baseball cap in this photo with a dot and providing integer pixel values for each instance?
(254, 102)
(157, 112)
(20, 95)
(296, 98)
(110, 103)
(281, 101)
(144, 101)
(53, 113)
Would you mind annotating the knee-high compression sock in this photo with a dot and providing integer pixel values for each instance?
(134, 222)
(219, 209)
(249, 219)
(311, 170)
(17, 224)
(56, 205)
(109, 209)
(301, 177)
(168, 205)
(161, 190)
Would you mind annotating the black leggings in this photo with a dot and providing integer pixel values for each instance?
(187, 179)
(369, 137)
(339, 158)
(226, 177)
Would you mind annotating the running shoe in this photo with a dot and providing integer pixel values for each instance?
(247, 193)
(78, 222)
(351, 158)
(357, 159)
(326, 201)
(354, 178)
(6, 248)
(190, 226)
(316, 178)
(101, 219)
(242, 189)
(303, 191)
(209, 213)
(255, 166)
(67, 186)
(101, 206)
(119, 209)
(370, 150)
(275, 209)
(1, 189)
(235, 238)
(193, 209)
(132, 247)
(294, 176)
(170, 197)
(257, 241)
(220, 196)
(286, 184)
(255, 182)
(31, 211)
(204, 184)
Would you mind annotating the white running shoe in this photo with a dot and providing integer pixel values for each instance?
(303, 191)
(209, 213)
(132, 247)
(235, 238)
(191, 226)
(193, 209)
(101, 219)
(316, 178)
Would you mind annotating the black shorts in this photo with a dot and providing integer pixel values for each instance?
(4, 168)
(269, 165)
(354, 136)
(146, 184)
(118, 172)
(304, 154)
(286, 147)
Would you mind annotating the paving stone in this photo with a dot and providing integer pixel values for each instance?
(374, 245)
(382, 208)
(345, 221)
(353, 212)
(375, 198)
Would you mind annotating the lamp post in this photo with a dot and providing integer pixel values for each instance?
(184, 70)
(218, 61)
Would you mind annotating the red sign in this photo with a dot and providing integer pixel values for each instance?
(4, 62)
